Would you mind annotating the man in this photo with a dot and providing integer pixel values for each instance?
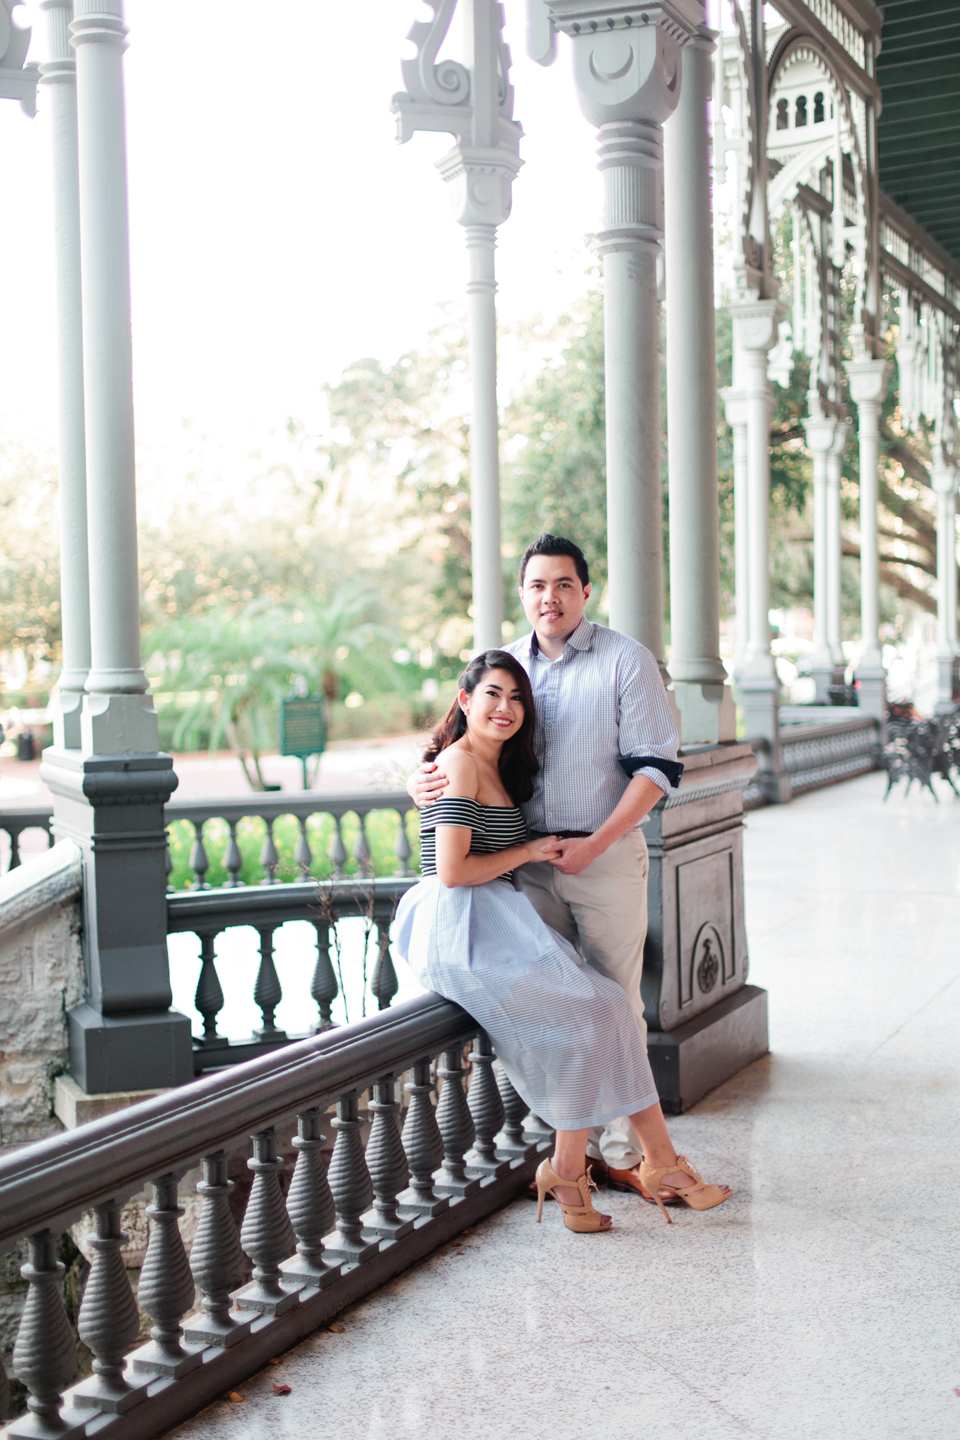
(607, 747)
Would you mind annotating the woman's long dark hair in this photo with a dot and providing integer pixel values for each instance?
(518, 763)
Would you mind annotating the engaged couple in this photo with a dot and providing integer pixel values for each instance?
(532, 909)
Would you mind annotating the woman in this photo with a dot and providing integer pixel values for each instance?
(565, 1034)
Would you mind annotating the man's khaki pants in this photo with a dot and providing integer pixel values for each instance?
(602, 912)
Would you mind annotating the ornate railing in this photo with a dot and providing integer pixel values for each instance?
(207, 913)
(335, 1235)
(15, 822)
(815, 755)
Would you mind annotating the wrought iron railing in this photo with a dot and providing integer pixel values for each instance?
(816, 755)
(335, 1235)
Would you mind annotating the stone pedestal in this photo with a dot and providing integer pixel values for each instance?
(125, 1036)
(705, 1023)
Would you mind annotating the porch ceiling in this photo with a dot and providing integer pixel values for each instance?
(919, 126)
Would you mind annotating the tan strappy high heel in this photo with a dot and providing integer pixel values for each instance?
(582, 1218)
(698, 1196)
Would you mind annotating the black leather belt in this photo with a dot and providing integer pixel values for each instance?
(573, 834)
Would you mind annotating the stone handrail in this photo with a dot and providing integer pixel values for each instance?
(334, 1236)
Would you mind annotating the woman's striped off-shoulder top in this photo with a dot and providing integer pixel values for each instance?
(495, 827)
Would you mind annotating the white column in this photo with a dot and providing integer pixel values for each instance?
(868, 385)
(735, 408)
(705, 703)
(474, 103)
(59, 78)
(944, 479)
(631, 156)
(118, 717)
(834, 549)
(820, 431)
(484, 440)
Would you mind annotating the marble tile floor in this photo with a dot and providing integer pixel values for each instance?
(822, 1300)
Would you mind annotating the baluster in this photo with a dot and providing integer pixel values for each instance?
(233, 860)
(384, 984)
(109, 1320)
(486, 1107)
(338, 855)
(14, 833)
(216, 1260)
(269, 858)
(323, 986)
(401, 846)
(45, 1355)
(361, 850)
(510, 1142)
(387, 1163)
(267, 992)
(310, 1206)
(166, 1290)
(352, 1191)
(266, 1233)
(456, 1127)
(538, 1131)
(303, 855)
(167, 860)
(423, 1145)
(209, 996)
(199, 862)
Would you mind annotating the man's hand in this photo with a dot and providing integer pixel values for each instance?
(426, 785)
(575, 855)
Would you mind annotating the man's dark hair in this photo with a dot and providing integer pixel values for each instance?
(556, 545)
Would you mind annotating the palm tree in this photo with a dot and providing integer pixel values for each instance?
(236, 666)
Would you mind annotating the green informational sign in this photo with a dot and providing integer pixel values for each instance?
(303, 728)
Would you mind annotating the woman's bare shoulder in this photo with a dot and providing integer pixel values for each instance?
(460, 768)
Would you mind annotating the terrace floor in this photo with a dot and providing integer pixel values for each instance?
(822, 1300)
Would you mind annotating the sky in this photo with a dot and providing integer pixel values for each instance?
(277, 230)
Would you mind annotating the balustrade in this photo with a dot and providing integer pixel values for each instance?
(424, 1187)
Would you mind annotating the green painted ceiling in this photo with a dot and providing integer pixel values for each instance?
(918, 70)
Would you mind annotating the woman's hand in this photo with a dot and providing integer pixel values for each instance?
(544, 848)
(426, 784)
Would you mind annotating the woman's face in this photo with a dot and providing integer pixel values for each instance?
(495, 709)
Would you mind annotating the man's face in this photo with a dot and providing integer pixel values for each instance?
(552, 596)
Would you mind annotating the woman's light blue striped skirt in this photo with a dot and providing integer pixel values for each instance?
(565, 1034)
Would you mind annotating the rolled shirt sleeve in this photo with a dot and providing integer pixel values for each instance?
(647, 733)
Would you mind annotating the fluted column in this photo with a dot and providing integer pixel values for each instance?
(944, 479)
(834, 549)
(868, 385)
(820, 431)
(705, 703)
(58, 75)
(628, 80)
(735, 409)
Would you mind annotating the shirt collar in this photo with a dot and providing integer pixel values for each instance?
(581, 639)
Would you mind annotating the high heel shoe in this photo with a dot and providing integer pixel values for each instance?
(582, 1218)
(698, 1195)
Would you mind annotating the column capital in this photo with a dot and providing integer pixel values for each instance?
(756, 323)
(841, 436)
(820, 431)
(944, 479)
(735, 404)
(868, 380)
(481, 182)
(630, 68)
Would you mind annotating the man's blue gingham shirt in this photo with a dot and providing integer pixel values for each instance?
(602, 717)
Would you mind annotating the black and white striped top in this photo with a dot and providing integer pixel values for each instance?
(495, 827)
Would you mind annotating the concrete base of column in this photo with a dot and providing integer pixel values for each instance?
(948, 683)
(66, 708)
(760, 702)
(705, 1022)
(145, 1052)
(689, 1062)
(708, 715)
(125, 1036)
(118, 725)
(821, 671)
(871, 683)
